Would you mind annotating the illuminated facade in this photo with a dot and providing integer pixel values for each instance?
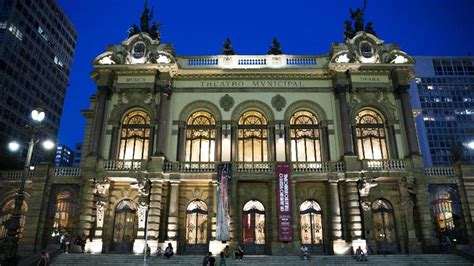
(160, 125)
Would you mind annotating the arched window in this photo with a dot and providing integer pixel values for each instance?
(311, 223)
(305, 137)
(196, 222)
(64, 211)
(125, 226)
(253, 137)
(370, 135)
(253, 222)
(135, 136)
(200, 137)
(383, 222)
(5, 214)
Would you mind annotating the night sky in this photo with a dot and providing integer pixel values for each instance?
(303, 27)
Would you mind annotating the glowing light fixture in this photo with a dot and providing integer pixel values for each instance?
(38, 115)
(48, 144)
(13, 146)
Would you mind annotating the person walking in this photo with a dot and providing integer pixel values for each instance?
(44, 259)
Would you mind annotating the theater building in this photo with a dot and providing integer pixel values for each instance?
(264, 151)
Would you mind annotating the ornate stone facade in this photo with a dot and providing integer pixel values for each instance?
(160, 125)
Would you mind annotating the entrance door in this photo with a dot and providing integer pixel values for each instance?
(125, 226)
(311, 226)
(384, 227)
(253, 225)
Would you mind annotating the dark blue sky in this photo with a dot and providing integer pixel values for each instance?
(420, 27)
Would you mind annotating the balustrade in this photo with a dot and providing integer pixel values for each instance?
(111, 165)
(250, 61)
(67, 171)
(314, 167)
(440, 171)
(387, 165)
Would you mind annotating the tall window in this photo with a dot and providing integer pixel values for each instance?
(200, 137)
(125, 226)
(64, 211)
(253, 137)
(196, 222)
(6, 214)
(253, 222)
(135, 136)
(305, 137)
(370, 135)
(311, 223)
(383, 222)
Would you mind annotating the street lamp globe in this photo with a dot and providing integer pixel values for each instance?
(471, 145)
(38, 115)
(13, 146)
(48, 144)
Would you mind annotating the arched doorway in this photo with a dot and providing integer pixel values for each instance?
(64, 210)
(125, 226)
(253, 226)
(383, 223)
(5, 214)
(311, 225)
(196, 227)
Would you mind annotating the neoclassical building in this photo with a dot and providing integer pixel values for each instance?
(317, 150)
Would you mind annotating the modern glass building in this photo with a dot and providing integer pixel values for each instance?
(64, 156)
(37, 43)
(444, 90)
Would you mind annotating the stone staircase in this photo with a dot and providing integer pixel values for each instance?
(129, 260)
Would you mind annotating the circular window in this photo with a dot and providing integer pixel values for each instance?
(366, 50)
(139, 50)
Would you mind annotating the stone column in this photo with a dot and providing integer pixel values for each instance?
(335, 210)
(99, 117)
(355, 217)
(340, 91)
(214, 210)
(392, 144)
(173, 211)
(154, 213)
(271, 156)
(325, 151)
(114, 143)
(218, 144)
(407, 112)
(234, 144)
(181, 141)
(163, 117)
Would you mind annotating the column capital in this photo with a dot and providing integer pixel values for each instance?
(165, 90)
(402, 77)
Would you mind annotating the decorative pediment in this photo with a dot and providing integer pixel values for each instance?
(138, 49)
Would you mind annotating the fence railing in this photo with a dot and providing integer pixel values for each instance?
(440, 171)
(254, 166)
(111, 165)
(14, 175)
(190, 167)
(387, 165)
(312, 167)
(67, 171)
(340, 167)
(250, 61)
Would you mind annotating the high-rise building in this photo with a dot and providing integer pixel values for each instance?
(77, 155)
(37, 43)
(64, 156)
(444, 90)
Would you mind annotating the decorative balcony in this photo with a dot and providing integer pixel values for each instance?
(122, 165)
(67, 171)
(310, 167)
(191, 167)
(440, 171)
(254, 166)
(14, 175)
(385, 165)
(251, 61)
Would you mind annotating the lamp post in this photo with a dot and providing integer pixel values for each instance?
(13, 223)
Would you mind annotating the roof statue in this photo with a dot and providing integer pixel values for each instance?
(145, 19)
(227, 49)
(357, 17)
(275, 47)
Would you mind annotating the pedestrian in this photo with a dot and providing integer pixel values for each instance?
(212, 260)
(169, 251)
(205, 261)
(304, 252)
(222, 262)
(83, 242)
(44, 259)
(227, 251)
(239, 253)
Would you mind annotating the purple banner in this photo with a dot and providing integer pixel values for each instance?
(285, 232)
